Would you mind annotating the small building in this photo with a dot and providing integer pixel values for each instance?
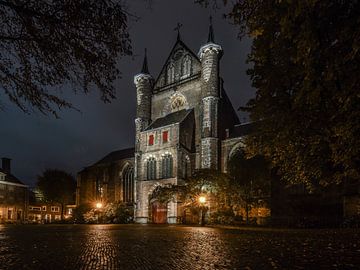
(44, 212)
(13, 196)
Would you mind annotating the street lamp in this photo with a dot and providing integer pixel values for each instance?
(98, 206)
(202, 201)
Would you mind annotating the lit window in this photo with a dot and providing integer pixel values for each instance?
(151, 139)
(55, 209)
(165, 136)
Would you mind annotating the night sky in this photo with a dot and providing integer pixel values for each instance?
(36, 142)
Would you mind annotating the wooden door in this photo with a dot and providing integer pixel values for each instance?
(159, 213)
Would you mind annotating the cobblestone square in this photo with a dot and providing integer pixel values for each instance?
(175, 247)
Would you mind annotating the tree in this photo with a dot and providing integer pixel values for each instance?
(57, 186)
(218, 188)
(305, 64)
(47, 44)
(252, 178)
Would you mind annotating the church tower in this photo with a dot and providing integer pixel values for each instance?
(143, 82)
(210, 55)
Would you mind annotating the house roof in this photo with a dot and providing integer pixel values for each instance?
(117, 155)
(11, 178)
(172, 118)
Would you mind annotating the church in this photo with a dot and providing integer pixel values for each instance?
(184, 122)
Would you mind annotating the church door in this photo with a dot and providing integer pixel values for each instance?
(159, 213)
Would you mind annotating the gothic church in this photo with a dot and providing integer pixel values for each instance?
(184, 121)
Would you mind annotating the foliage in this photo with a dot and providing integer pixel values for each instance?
(305, 64)
(217, 187)
(45, 44)
(57, 186)
(78, 213)
(252, 174)
(116, 212)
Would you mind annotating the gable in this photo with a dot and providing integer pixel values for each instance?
(181, 64)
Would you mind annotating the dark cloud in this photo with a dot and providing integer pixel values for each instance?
(36, 142)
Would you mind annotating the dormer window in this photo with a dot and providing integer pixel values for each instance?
(151, 139)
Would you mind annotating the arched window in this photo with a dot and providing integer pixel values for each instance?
(186, 66)
(171, 73)
(167, 166)
(151, 169)
(128, 183)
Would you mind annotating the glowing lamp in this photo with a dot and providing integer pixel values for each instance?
(99, 205)
(202, 199)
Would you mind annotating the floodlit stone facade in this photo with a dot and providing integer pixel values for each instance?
(184, 121)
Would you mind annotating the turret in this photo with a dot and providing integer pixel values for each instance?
(143, 82)
(209, 55)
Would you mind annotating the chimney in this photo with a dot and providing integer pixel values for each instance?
(6, 165)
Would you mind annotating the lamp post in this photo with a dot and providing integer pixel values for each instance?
(98, 206)
(202, 201)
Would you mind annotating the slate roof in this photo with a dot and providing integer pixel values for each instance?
(172, 118)
(117, 155)
(11, 178)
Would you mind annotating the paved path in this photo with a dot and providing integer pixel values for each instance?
(175, 247)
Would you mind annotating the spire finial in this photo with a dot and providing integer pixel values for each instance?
(145, 69)
(211, 31)
(177, 28)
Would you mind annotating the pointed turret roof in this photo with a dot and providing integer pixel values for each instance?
(145, 68)
(211, 32)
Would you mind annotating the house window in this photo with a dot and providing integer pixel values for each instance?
(55, 209)
(44, 208)
(167, 166)
(151, 139)
(128, 183)
(151, 169)
(165, 136)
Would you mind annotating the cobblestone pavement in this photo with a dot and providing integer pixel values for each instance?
(175, 247)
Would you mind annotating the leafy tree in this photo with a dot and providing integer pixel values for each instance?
(252, 178)
(217, 187)
(45, 44)
(57, 186)
(118, 212)
(305, 64)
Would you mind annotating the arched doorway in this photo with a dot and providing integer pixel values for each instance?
(158, 212)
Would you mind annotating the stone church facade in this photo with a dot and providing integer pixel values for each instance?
(184, 122)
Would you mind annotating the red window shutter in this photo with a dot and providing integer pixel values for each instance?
(151, 139)
(165, 136)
